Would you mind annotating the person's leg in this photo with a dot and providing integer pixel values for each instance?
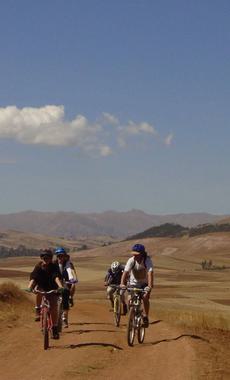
(125, 309)
(146, 304)
(53, 299)
(65, 303)
(72, 292)
(38, 307)
(110, 292)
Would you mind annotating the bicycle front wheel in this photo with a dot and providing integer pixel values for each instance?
(117, 311)
(131, 328)
(141, 333)
(45, 330)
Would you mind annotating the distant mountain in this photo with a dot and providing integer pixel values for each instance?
(73, 225)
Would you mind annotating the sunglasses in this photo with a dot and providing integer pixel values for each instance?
(47, 258)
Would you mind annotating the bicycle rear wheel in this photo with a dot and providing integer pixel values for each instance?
(45, 330)
(131, 328)
(117, 311)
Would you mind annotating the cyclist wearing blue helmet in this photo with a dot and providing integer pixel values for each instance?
(69, 279)
(140, 269)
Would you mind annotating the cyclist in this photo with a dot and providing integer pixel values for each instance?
(113, 277)
(46, 276)
(69, 279)
(140, 269)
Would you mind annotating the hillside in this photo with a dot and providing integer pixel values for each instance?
(17, 243)
(71, 225)
(176, 230)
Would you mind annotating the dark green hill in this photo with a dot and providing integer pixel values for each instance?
(176, 230)
(164, 230)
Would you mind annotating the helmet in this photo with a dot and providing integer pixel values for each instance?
(46, 252)
(60, 251)
(138, 248)
(115, 266)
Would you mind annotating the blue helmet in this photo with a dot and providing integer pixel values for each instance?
(60, 251)
(138, 248)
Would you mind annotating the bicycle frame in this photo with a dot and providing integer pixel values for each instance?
(46, 319)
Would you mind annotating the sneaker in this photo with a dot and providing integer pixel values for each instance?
(125, 309)
(55, 333)
(145, 322)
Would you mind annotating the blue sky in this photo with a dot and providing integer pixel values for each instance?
(115, 105)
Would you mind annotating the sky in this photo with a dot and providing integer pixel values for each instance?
(115, 105)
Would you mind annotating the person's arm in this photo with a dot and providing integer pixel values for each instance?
(31, 284)
(124, 278)
(58, 282)
(150, 279)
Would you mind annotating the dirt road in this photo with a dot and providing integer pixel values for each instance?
(93, 348)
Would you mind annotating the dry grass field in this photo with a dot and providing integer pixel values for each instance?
(185, 296)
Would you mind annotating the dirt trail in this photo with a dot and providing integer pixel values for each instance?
(93, 348)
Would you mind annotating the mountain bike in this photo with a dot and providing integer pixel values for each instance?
(46, 319)
(116, 304)
(135, 321)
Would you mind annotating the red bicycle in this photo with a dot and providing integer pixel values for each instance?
(46, 319)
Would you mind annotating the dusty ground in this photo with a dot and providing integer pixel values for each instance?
(188, 337)
(93, 348)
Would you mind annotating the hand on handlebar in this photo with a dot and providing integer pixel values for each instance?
(29, 290)
(61, 290)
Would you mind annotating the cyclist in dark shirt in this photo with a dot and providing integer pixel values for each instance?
(113, 277)
(46, 276)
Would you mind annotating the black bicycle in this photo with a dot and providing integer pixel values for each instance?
(135, 321)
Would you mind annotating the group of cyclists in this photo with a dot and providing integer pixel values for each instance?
(60, 274)
(49, 274)
(138, 272)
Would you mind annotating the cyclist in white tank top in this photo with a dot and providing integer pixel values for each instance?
(140, 269)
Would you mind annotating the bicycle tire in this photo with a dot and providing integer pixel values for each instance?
(45, 330)
(141, 333)
(131, 328)
(117, 311)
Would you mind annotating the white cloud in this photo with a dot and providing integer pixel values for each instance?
(48, 126)
(134, 129)
(110, 119)
(168, 139)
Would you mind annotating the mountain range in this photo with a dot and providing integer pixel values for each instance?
(74, 225)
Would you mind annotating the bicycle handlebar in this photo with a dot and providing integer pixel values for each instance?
(71, 282)
(115, 286)
(137, 290)
(43, 292)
